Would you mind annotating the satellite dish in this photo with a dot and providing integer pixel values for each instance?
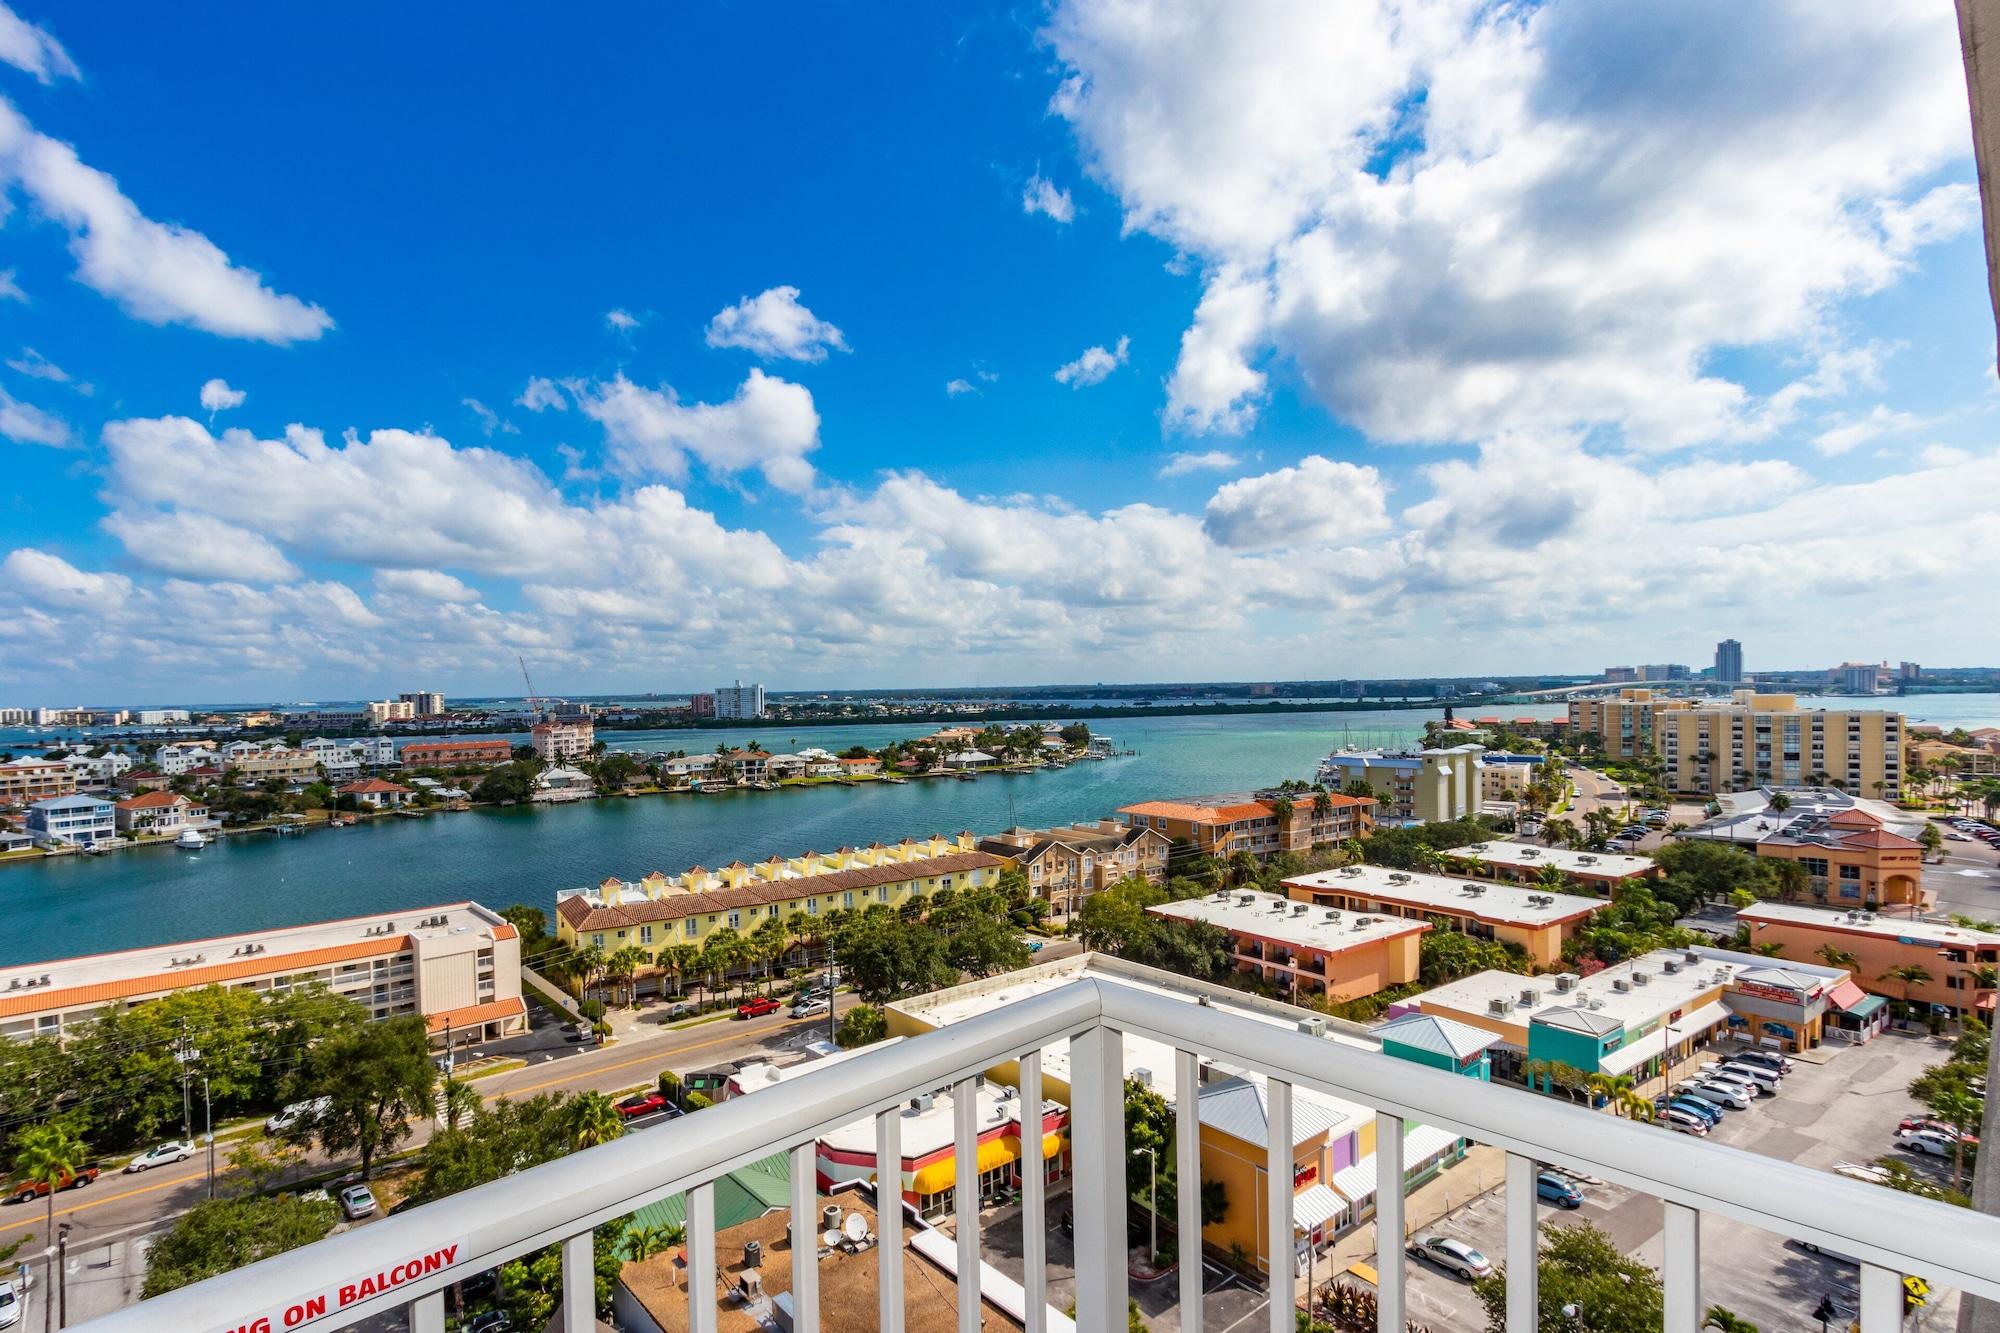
(855, 1228)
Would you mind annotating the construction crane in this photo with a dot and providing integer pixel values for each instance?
(532, 699)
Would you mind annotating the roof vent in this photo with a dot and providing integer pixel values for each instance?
(1245, 899)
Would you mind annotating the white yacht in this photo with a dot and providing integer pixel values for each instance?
(192, 839)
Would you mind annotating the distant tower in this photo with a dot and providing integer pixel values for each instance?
(1729, 660)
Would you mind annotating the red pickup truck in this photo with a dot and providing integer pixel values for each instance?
(758, 1007)
(25, 1190)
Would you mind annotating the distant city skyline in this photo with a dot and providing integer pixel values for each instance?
(983, 343)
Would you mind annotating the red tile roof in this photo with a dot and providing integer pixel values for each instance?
(368, 786)
(582, 915)
(473, 1015)
(153, 800)
(189, 978)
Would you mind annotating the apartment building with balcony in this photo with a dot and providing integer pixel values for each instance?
(563, 742)
(25, 781)
(71, 821)
(1626, 724)
(261, 762)
(1537, 923)
(1524, 863)
(685, 909)
(467, 753)
(1856, 852)
(1769, 740)
(1413, 785)
(457, 964)
(1956, 962)
(1066, 865)
(1077, 1025)
(1305, 949)
(1261, 825)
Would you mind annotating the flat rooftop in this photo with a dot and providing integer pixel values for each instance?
(1156, 1059)
(1298, 924)
(254, 952)
(1506, 904)
(1871, 923)
(1662, 993)
(1583, 865)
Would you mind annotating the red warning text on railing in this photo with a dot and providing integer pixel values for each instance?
(340, 1296)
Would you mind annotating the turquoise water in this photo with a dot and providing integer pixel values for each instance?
(72, 905)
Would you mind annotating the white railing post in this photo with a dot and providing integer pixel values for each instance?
(427, 1313)
(1280, 1254)
(700, 1244)
(1389, 1226)
(1881, 1299)
(1523, 1248)
(805, 1238)
(1034, 1199)
(889, 1218)
(965, 1198)
(579, 1284)
(1682, 1271)
(1187, 1180)
(1097, 1191)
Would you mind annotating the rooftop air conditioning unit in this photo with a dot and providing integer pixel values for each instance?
(1691, 956)
(1586, 860)
(1564, 982)
(1245, 899)
(1496, 1006)
(1528, 996)
(1361, 921)
(1313, 1027)
(1143, 1077)
(1641, 978)
(1595, 1003)
(1621, 985)
(923, 1101)
(1332, 914)
(1300, 909)
(1278, 905)
(750, 1282)
(1672, 966)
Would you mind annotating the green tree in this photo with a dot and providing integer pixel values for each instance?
(1580, 1267)
(219, 1235)
(49, 1155)
(1724, 1321)
(492, 1142)
(593, 1119)
(1909, 974)
(376, 1079)
(862, 1025)
(533, 923)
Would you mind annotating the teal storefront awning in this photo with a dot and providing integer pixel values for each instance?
(1866, 1008)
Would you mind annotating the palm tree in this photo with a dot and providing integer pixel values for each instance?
(459, 1102)
(1770, 949)
(643, 1242)
(593, 1120)
(680, 959)
(1723, 1321)
(771, 942)
(1910, 974)
(621, 967)
(1834, 956)
(49, 1155)
(1552, 878)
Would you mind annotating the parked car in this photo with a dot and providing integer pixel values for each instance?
(1769, 1059)
(758, 1007)
(1706, 1110)
(1034, 945)
(1454, 1256)
(1563, 1193)
(813, 1006)
(1926, 1141)
(174, 1150)
(1685, 1121)
(39, 1189)
(493, 1321)
(1768, 1081)
(357, 1201)
(641, 1103)
(1733, 1096)
(584, 1033)
(1939, 1127)
(1710, 1104)
(10, 1305)
(679, 1009)
(297, 1113)
(1958, 837)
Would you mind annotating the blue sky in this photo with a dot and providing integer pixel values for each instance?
(973, 344)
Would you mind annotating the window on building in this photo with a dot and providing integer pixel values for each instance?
(597, 940)
(645, 934)
(847, 898)
(1850, 872)
(812, 907)
(689, 926)
(736, 920)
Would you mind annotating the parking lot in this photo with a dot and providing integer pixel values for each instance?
(1837, 1105)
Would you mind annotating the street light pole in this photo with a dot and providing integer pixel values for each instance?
(208, 1117)
(62, 1275)
(1152, 1201)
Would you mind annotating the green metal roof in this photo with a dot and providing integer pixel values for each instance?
(1866, 1007)
(747, 1192)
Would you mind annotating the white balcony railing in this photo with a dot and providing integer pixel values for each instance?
(414, 1257)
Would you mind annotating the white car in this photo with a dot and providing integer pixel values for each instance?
(1926, 1141)
(357, 1201)
(1768, 1081)
(10, 1305)
(1733, 1095)
(296, 1113)
(1684, 1121)
(174, 1150)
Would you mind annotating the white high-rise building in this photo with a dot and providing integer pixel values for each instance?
(427, 703)
(739, 700)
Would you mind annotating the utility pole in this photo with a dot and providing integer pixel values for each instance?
(62, 1275)
(208, 1117)
(832, 989)
(183, 1056)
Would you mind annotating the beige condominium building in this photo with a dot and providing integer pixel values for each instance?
(1625, 724)
(1768, 740)
(457, 965)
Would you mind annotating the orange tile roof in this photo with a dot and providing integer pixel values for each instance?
(368, 785)
(472, 1015)
(1854, 817)
(188, 978)
(153, 800)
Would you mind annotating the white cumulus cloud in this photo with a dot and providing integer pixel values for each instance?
(1208, 460)
(31, 49)
(162, 273)
(770, 425)
(774, 325)
(217, 396)
(542, 395)
(24, 423)
(1094, 366)
(426, 584)
(1318, 502)
(1044, 196)
(199, 546)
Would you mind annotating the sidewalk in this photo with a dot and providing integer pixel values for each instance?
(1483, 1170)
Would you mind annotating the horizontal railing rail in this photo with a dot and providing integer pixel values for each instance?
(408, 1260)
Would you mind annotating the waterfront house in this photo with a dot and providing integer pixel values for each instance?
(25, 781)
(72, 821)
(13, 840)
(160, 813)
(822, 768)
(968, 760)
(687, 765)
(176, 759)
(746, 766)
(377, 794)
(779, 767)
(457, 754)
(865, 766)
(562, 783)
(459, 964)
(1066, 865)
